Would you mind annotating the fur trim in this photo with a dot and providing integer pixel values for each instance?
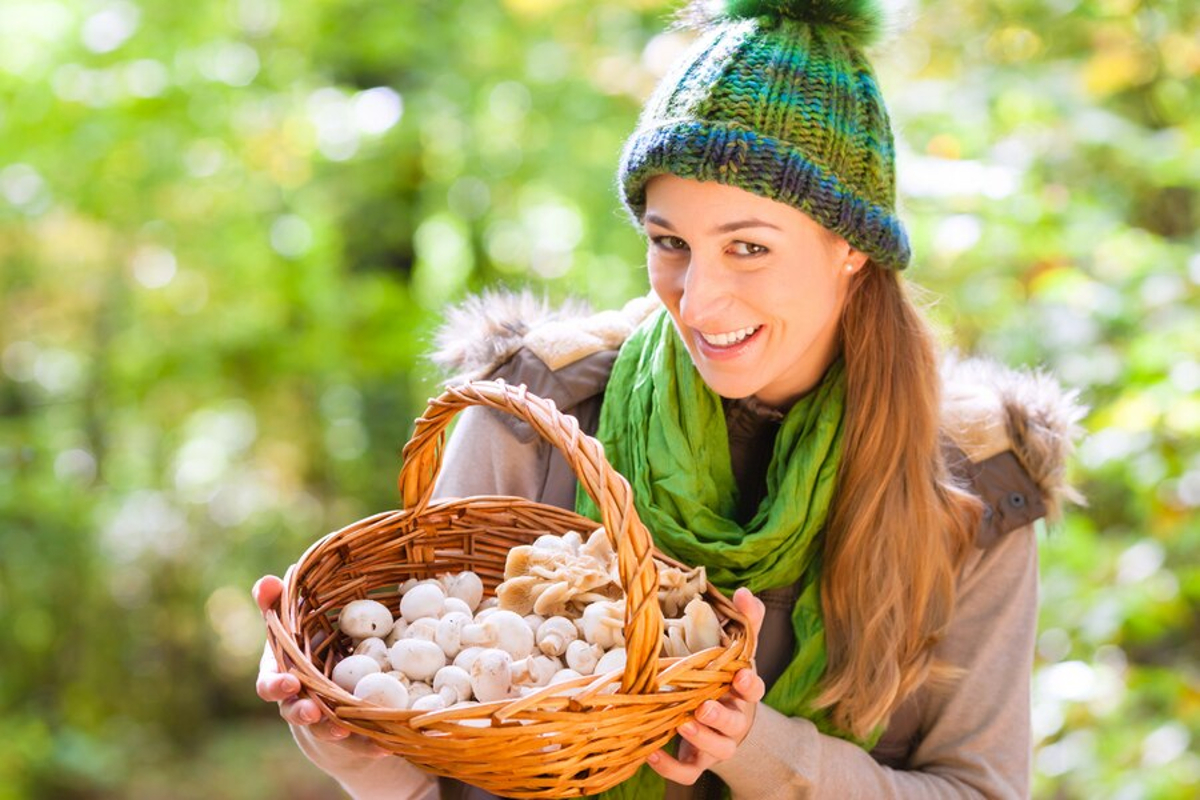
(990, 408)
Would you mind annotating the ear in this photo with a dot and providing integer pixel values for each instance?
(855, 260)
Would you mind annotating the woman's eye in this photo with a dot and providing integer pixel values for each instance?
(748, 249)
(669, 242)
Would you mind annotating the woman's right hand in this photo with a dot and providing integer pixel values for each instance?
(283, 688)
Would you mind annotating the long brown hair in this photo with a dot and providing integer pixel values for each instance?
(899, 527)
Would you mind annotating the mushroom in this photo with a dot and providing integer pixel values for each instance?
(453, 684)
(383, 690)
(613, 659)
(677, 588)
(536, 670)
(491, 675)
(701, 628)
(417, 690)
(449, 632)
(361, 619)
(467, 656)
(486, 603)
(423, 628)
(582, 656)
(673, 642)
(465, 586)
(454, 604)
(429, 702)
(603, 623)
(376, 649)
(555, 634)
(399, 628)
(501, 629)
(534, 621)
(418, 659)
(351, 669)
(422, 600)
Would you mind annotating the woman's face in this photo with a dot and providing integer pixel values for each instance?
(755, 287)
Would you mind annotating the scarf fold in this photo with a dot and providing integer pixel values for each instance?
(665, 432)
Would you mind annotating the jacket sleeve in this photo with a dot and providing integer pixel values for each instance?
(974, 737)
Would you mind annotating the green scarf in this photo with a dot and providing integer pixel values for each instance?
(665, 432)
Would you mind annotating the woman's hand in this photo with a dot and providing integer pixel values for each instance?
(718, 727)
(283, 688)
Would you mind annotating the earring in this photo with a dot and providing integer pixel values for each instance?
(849, 267)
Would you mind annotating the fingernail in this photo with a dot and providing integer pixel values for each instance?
(688, 728)
(653, 757)
(706, 713)
(339, 733)
(311, 715)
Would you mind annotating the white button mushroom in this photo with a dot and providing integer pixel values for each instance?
(491, 675)
(453, 604)
(376, 649)
(423, 628)
(603, 623)
(582, 656)
(465, 586)
(449, 632)
(430, 702)
(423, 600)
(417, 690)
(503, 629)
(382, 690)
(613, 659)
(467, 656)
(361, 619)
(351, 669)
(555, 634)
(418, 659)
(453, 684)
(399, 628)
(535, 670)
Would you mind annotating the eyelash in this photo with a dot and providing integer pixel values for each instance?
(662, 242)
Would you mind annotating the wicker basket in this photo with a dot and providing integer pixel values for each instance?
(546, 744)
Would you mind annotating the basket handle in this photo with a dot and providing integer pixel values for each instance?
(610, 491)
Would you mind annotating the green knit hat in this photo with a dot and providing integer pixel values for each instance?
(777, 98)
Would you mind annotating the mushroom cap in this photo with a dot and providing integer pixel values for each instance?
(351, 669)
(422, 600)
(361, 619)
(418, 659)
(454, 680)
(382, 689)
(491, 675)
(377, 649)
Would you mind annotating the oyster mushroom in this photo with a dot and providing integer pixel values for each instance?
(361, 619)
(677, 588)
(701, 628)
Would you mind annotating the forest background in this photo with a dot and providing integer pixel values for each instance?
(228, 229)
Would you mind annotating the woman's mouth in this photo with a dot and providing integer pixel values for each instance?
(728, 342)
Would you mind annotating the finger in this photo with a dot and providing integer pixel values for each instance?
(266, 591)
(275, 687)
(750, 607)
(300, 712)
(682, 772)
(727, 720)
(708, 741)
(749, 686)
(327, 730)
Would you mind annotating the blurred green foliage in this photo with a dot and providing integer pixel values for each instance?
(227, 229)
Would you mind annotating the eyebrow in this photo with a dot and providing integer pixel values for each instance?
(725, 227)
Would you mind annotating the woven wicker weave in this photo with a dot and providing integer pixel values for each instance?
(546, 744)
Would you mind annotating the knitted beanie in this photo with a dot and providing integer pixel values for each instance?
(777, 98)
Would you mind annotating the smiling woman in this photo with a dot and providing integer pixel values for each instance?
(755, 287)
(781, 418)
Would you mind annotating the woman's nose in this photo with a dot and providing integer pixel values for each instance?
(705, 292)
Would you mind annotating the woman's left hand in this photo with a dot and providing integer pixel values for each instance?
(718, 727)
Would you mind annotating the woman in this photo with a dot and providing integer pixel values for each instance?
(782, 421)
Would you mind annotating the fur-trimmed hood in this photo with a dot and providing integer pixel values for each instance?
(989, 408)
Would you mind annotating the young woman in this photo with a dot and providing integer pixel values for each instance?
(779, 412)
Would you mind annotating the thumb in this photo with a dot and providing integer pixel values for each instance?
(750, 607)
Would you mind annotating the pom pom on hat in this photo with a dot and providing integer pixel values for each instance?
(863, 21)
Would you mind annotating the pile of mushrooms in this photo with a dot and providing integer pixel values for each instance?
(558, 615)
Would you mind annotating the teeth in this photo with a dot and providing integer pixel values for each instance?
(732, 337)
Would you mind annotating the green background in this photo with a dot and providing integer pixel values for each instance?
(227, 230)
